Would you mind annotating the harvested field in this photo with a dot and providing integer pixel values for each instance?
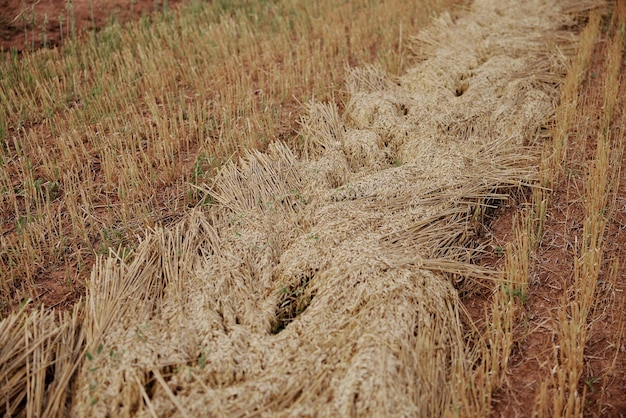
(28, 25)
(112, 134)
(338, 276)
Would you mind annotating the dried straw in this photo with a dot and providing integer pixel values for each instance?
(324, 285)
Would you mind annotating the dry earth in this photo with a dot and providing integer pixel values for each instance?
(551, 273)
(26, 25)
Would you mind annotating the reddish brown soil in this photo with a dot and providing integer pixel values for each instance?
(29, 24)
(604, 376)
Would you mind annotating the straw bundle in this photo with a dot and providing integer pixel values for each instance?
(324, 285)
(38, 357)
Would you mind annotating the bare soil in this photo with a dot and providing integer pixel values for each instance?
(552, 274)
(26, 25)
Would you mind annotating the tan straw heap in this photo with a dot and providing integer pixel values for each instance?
(324, 284)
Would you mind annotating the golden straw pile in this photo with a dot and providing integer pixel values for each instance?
(321, 284)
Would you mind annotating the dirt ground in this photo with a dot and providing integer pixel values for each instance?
(33, 24)
(551, 275)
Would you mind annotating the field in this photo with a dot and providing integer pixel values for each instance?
(316, 208)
